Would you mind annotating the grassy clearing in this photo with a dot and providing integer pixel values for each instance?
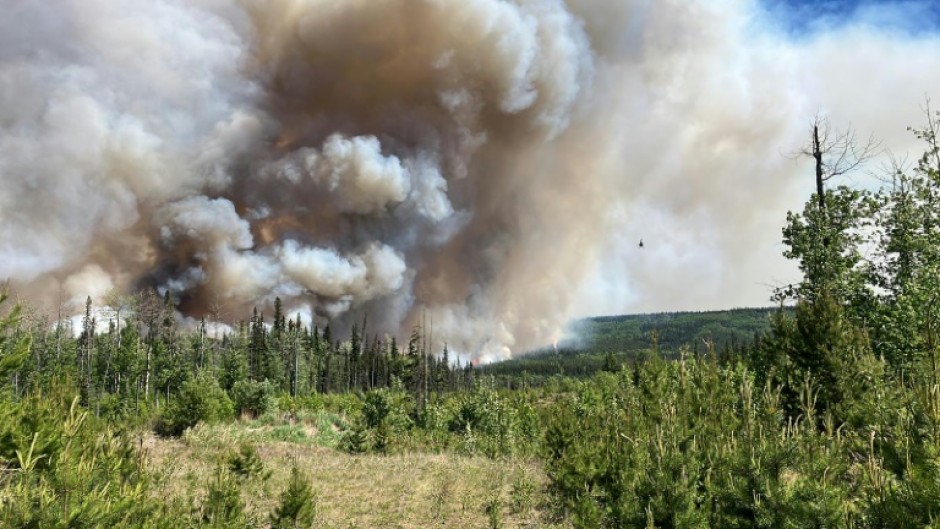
(318, 429)
(409, 490)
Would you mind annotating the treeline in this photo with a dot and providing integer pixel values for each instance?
(675, 330)
(145, 358)
(609, 342)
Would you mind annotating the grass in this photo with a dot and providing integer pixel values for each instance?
(404, 490)
(318, 429)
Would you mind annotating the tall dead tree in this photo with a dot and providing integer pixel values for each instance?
(836, 154)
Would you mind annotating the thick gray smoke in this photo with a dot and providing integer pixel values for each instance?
(482, 164)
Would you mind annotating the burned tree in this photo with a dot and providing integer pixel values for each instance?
(835, 153)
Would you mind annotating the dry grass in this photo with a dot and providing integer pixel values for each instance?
(412, 490)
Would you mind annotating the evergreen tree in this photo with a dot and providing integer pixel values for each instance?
(298, 505)
(223, 507)
(86, 352)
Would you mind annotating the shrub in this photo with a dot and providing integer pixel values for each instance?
(298, 506)
(522, 494)
(692, 443)
(487, 418)
(70, 470)
(246, 463)
(254, 398)
(493, 508)
(355, 440)
(223, 506)
(376, 407)
(383, 407)
(342, 403)
(200, 399)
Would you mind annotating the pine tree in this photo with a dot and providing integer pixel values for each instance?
(355, 350)
(223, 506)
(327, 358)
(257, 347)
(356, 438)
(314, 359)
(298, 505)
(86, 352)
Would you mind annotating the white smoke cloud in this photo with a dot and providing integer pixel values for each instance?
(488, 165)
(377, 272)
(358, 175)
(209, 222)
(90, 281)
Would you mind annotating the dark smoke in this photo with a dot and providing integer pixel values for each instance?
(482, 164)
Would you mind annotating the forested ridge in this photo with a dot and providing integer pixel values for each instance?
(609, 342)
(830, 418)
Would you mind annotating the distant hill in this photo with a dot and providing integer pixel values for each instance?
(619, 339)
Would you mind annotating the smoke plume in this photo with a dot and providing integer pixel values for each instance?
(485, 165)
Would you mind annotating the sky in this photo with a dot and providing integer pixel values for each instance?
(805, 18)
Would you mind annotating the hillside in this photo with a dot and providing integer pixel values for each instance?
(620, 339)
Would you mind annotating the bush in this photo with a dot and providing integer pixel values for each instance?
(383, 407)
(344, 404)
(298, 505)
(254, 398)
(487, 418)
(692, 443)
(356, 440)
(223, 506)
(200, 399)
(70, 470)
(246, 464)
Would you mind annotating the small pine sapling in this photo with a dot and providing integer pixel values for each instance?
(298, 506)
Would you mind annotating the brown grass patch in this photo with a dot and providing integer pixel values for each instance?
(408, 491)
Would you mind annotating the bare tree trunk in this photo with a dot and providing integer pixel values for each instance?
(147, 371)
(817, 154)
(295, 366)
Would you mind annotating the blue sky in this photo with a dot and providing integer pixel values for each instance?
(809, 17)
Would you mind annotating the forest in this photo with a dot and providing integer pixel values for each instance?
(826, 414)
(609, 342)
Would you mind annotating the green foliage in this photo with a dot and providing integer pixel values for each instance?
(376, 408)
(14, 347)
(289, 433)
(494, 511)
(356, 439)
(200, 399)
(223, 507)
(827, 243)
(522, 494)
(820, 347)
(247, 464)
(491, 423)
(254, 398)
(63, 469)
(385, 414)
(298, 505)
(388, 408)
(695, 443)
(609, 342)
(328, 427)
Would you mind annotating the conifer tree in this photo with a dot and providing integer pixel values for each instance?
(298, 504)
(86, 352)
(223, 506)
(327, 358)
